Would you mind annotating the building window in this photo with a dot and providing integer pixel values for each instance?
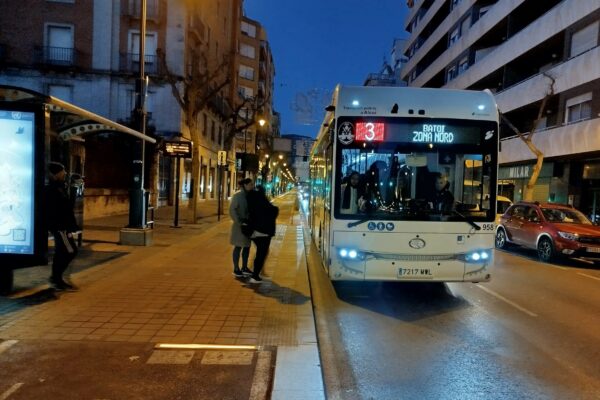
(133, 52)
(220, 136)
(451, 73)
(463, 65)
(248, 29)
(247, 72)
(245, 91)
(579, 108)
(584, 39)
(205, 125)
(212, 130)
(454, 36)
(62, 92)
(247, 51)
(454, 3)
(59, 43)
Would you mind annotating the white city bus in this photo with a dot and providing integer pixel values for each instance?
(382, 153)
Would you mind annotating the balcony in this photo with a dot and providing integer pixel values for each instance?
(134, 9)
(380, 80)
(574, 72)
(130, 63)
(56, 56)
(575, 138)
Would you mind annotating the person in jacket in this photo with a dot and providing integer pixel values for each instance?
(238, 211)
(353, 199)
(61, 223)
(263, 216)
(443, 200)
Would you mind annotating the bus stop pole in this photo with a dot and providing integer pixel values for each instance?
(177, 176)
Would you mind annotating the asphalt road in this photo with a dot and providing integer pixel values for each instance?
(533, 332)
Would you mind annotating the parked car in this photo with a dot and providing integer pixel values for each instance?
(502, 204)
(551, 229)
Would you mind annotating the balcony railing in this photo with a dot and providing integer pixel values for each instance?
(134, 9)
(60, 56)
(130, 62)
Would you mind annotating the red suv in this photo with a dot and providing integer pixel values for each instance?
(551, 229)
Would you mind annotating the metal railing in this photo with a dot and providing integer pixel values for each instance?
(152, 9)
(50, 55)
(130, 62)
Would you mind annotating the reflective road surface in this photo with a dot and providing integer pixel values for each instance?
(533, 332)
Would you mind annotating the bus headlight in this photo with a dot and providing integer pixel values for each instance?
(477, 256)
(351, 254)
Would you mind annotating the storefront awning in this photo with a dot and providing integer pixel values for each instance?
(79, 121)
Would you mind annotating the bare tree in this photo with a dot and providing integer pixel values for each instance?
(203, 81)
(243, 116)
(527, 138)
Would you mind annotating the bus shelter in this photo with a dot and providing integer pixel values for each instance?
(35, 129)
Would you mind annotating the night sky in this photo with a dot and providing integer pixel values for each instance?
(317, 44)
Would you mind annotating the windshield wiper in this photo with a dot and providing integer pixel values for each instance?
(467, 220)
(359, 222)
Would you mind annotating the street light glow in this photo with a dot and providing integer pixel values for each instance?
(262, 122)
(281, 156)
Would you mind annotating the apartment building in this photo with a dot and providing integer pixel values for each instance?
(87, 53)
(511, 47)
(255, 80)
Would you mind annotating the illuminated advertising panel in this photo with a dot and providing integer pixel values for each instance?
(17, 175)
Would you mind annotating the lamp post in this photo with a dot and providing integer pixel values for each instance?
(136, 232)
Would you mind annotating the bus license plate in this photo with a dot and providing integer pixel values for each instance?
(420, 273)
(593, 249)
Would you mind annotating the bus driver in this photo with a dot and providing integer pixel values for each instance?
(443, 200)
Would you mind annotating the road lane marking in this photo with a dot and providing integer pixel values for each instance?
(5, 345)
(558, 267)
(507, 301)
(588, 276)
(10, 391)
(262, 372)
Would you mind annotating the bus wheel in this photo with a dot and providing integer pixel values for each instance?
(501, 242)
(545, 249)
(6, 281)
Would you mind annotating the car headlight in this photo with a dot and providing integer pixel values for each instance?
(568, 235)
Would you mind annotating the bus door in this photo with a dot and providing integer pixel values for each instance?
(326, 234)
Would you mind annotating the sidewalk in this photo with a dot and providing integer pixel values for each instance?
(181, 291)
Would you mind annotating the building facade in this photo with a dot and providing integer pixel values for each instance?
(516, 48)
(87, 53)
(255, 85)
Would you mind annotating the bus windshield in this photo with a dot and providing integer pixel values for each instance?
(410, 173)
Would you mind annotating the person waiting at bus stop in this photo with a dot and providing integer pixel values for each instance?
(443, 200)
(238, 211)
(262, 220)
(61, 223)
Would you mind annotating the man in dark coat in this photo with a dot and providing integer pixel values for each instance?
(263, 216)
(443, 200)
(61, 223)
